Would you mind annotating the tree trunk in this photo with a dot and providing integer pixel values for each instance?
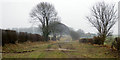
(102, 39)
(54, 36)
(45, 35)
(45, 30)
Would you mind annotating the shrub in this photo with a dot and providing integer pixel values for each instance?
(90, 40)
(4, 37)
(22, 37)
(13, 36)
(0, 37)
(10, 36)
(83, 40)
(116, 43)
(97, 40)
(86, 40)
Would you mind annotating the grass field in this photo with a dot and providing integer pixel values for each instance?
(51, 49)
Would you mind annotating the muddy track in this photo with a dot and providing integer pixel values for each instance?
(20, 51)
(60, 45)
(69, 48)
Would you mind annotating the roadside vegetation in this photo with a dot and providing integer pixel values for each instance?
(57, 40)
(72, 49)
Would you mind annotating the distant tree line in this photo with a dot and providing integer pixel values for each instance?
(33, 30)
(76, 35)
(11, 36)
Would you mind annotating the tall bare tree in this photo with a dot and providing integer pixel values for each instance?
(44, 13)
(103, 18)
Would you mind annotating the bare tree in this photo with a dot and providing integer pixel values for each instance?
(103, 18)
(44, 13)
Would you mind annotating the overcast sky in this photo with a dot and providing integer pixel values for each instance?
(15, 13)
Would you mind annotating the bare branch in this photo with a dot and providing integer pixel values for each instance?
(103, 18)
(44, 13)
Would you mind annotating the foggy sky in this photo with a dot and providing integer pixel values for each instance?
(15, 13)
